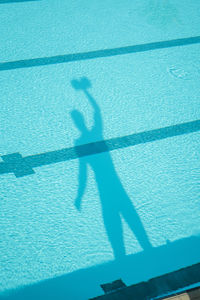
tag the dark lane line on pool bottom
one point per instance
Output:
(35, 62)
(22, 166)
(16, 1)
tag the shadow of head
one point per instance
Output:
(78, 119)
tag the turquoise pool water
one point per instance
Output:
(100, 144)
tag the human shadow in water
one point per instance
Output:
(114, 199)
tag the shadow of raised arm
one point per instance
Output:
(84, 84)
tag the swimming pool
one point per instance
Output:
(100, 144)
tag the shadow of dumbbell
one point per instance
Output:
(81, 84)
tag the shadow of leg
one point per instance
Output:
(134, 222)
(114, 231)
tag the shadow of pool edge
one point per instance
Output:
(85, 283)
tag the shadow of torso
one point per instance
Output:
(115, 201)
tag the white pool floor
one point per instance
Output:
(99, 148)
